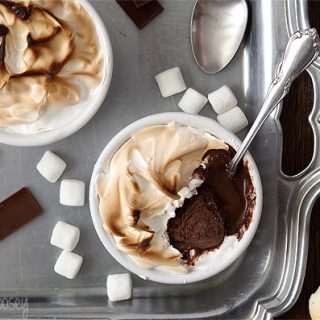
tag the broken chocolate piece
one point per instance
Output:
(140, 3)
(16, 211)
(144, 14)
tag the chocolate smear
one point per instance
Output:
(19, 10)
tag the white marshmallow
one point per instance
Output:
(192, 101)
(222, 100)
(119, 287)
(72, 192)
(68, 264)
(170, 82)
(314, 305)
(51, 166)
(65, 236)
(234, 120)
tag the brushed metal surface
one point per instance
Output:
(267, 279)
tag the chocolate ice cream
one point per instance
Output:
(199, 224)
(223, 206)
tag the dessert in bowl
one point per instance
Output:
(56, 67)
(161, 201)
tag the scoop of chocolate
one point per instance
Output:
(223, 206)
(199, 224)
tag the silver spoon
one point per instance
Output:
(302, 49)
(217, 29)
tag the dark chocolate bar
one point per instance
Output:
(140, 3)
(16, 211)
(144, 14)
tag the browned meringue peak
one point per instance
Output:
(143, 176)
(48, 57)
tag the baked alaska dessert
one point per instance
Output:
(167, 200)
(50, 60)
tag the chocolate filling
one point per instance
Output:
(223, 206)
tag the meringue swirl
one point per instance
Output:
(143, 177)
(50, 56)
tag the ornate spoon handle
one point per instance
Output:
(302, 49)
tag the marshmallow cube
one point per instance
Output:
(222, 100)
(51, 166)
(72, 192)
(314, 305)
(119, 287)
(68, 264)
(65, 236)
(233, 120)
(170, 82)
(192, 101)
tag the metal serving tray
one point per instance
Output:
(266, 280)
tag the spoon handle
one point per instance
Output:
(302, 49)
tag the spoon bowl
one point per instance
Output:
(217, 29)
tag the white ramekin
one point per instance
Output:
(205, 267)
(44, 138)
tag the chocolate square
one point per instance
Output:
(16, 211)
(144, 14)
(140, 3)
